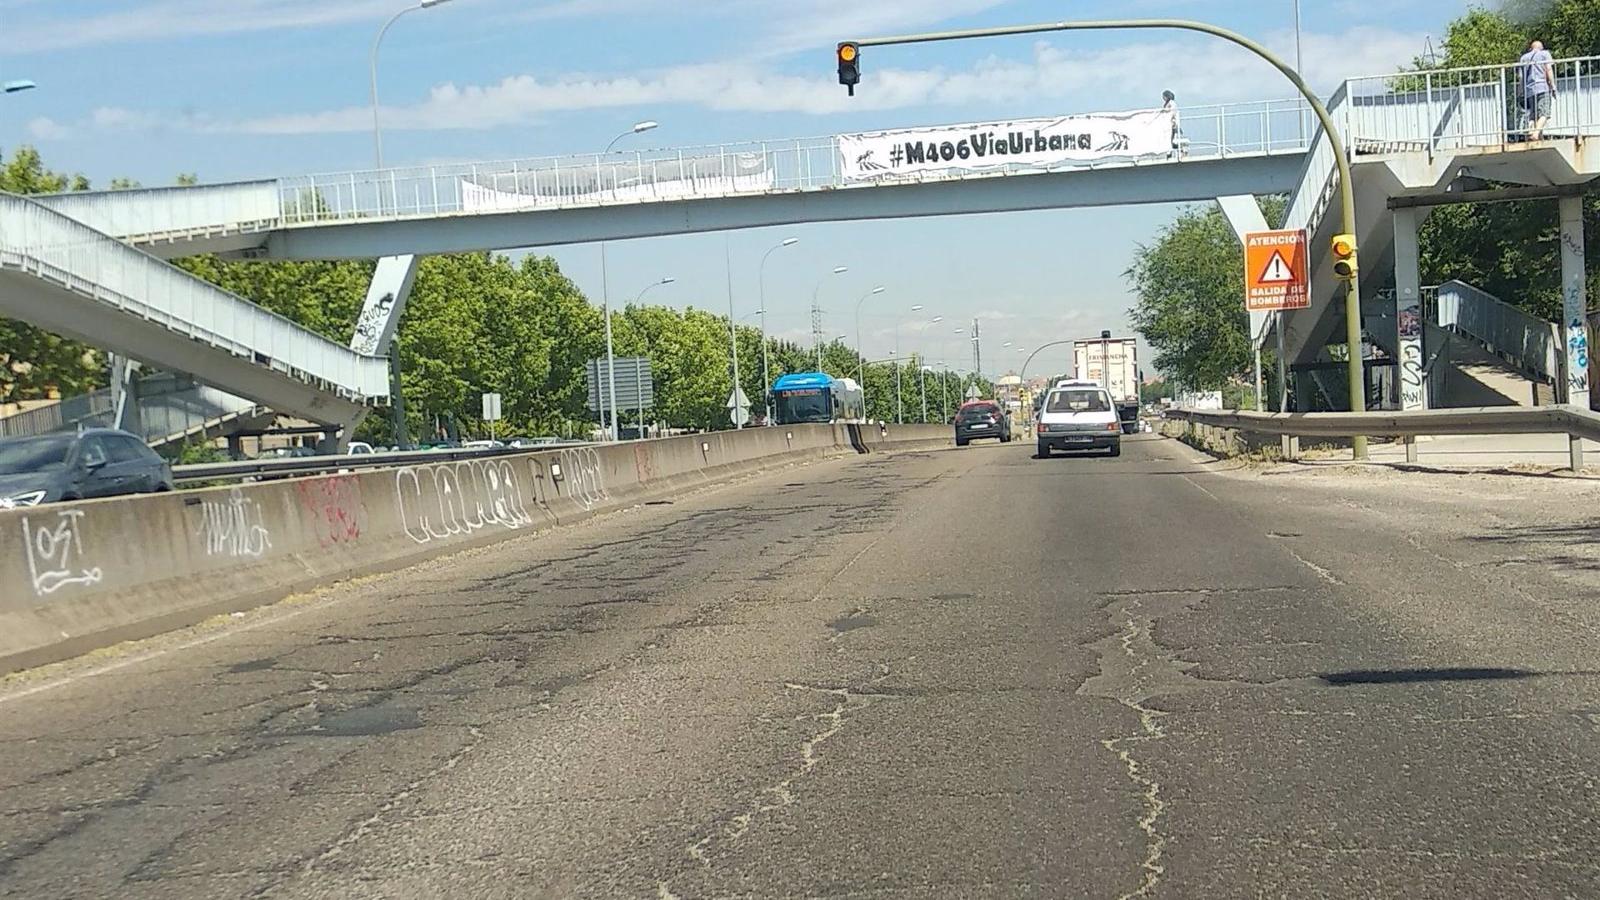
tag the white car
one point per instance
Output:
(482, 445)
(1079, 415)
(359, 448)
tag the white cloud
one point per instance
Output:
(1212, 70)
(47, 129)
(1071, 80)
(167, 19)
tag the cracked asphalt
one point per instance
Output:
(959, 673)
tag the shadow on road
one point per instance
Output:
(1539, 540)
(1416, 676)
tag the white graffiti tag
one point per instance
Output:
(234, 527)
(583, 476)
(449, 499)
(55, 552)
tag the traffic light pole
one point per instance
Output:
(1347, 200)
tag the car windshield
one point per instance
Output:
(802, 405)
(1076, 401)
(34, 454)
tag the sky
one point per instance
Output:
(235, 89)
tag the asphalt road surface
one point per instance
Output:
(960, 673)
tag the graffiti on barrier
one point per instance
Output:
(441, 501)
(583, 477)
(234, 527)
(55, 551)
(334, 504)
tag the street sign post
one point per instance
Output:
(1276, 271)
(635, 385)
(738, 407)
(491, 411)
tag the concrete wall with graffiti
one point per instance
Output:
(79, 575)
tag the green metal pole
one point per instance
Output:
(1347, 199)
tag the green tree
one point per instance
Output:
(1190, 291)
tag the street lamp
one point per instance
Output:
(816, 313)
(647, 288)
(766, 373)
(18, 86)
(899, 413)
(861, 371)
(605, 297)
(638, 127)
(1354, 371)
(377, 133)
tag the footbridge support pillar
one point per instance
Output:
(1574, 295)
(375, 328)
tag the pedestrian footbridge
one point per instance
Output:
(1245, 147)
(89, 264)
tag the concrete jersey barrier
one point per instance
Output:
(77, 576)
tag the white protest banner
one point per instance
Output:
(625, 181)
(1033, 143)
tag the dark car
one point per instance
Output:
(982, 419)
(96, 462)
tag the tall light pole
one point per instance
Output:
(1300, 120)
(651, 286)
(899, 410)
(922, 371)
(944, 358)
(377, 132)
(638, 392)
(861, 356)
(766, 373)
(605, 300)
(816, 313)
(1354, 370)
(737, 411)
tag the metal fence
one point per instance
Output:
(1527, 342)
(149, 213)
(50, 246)
(92, 409)
(722, 170)
(1475, 106)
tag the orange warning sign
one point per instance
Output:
(1275, 271)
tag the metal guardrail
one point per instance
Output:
(1570, 420)
(48, 245)
(721, 170)
(326, 465)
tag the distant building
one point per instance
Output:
(1008, 389)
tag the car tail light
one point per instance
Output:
(1113, 426)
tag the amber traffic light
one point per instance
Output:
(849, 65)
(1344, 257)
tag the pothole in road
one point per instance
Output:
(366, 721)
(253, 665)
(852, 622)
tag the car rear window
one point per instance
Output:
(34, 454)
(1076, 401)
(978, 411)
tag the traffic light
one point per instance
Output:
(849, 65)
(1344, 257)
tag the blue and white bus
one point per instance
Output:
(815, 397)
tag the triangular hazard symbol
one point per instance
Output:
(1277, 270)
